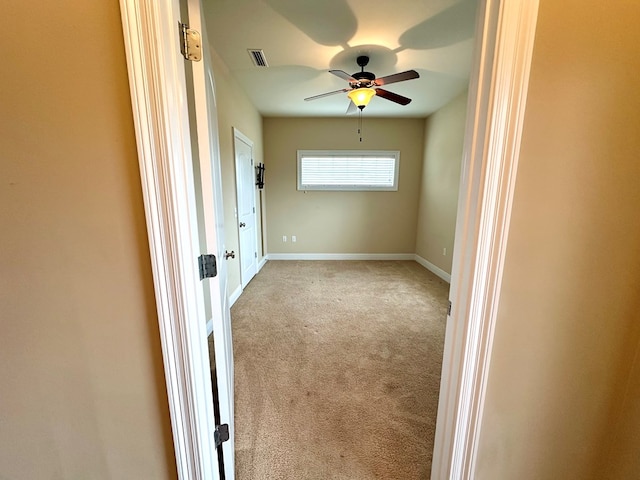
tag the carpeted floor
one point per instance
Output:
(337, 368)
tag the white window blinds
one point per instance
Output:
(348, 170)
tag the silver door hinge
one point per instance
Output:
(207, 266)
(449, 309)
(190, 43)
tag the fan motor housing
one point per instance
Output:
(364, 76)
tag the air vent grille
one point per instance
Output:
(258, 58)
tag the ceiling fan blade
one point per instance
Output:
(397, 77)
(343, 75)
(394, 97)
(352, 110)
(326, 94)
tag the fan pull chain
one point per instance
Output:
(360, 124)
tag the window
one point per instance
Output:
(348, 170)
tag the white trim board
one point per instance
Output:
(505, 33)
(262, 263)
(232, 299)
(340, 256)
(247, 244)
(235, 295)
(432, 268)
(158, 97)
(209, 327)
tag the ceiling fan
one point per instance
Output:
(364, 85)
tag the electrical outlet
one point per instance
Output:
(284, 238)
(293, 238)
(444, 251)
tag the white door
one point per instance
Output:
(208, 189)
(179, 166)
(246, 201)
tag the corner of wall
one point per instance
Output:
(443, 148)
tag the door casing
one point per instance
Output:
(245, 196)
(204, 115)
(497, 99)
(163, 137)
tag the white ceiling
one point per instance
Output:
(303, 39)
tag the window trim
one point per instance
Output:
(348, 153)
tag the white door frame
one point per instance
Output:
(497, 97)
(158, 91)
(205, 109)
(239, 136)
(505, 33)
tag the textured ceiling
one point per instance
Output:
(303, 39)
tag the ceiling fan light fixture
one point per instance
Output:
(361, 96)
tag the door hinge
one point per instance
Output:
(449, 309)
(254, 209)
(190, 43)
(221, 434)
(208, 267)
(255, 254)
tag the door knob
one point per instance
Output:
(231, 254)
(242, 224)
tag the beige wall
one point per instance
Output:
(444, 141)
(621, 459)
(235, 110)
(341, 222)
(82, 384)
(569, 317)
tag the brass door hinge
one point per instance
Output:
(190, 43)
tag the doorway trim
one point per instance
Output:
(161, 120)
(497, 98)
(505, 32)
(238, 136)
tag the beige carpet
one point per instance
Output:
(337, 369)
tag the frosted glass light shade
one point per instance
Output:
(361, 96)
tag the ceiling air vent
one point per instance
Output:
(259, 60)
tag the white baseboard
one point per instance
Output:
(262, 263)
(209, 327)
(232, 299)
(341, 256)
(433, 269)
(235, 295)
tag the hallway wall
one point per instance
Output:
(81, 373)
(561, 393)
